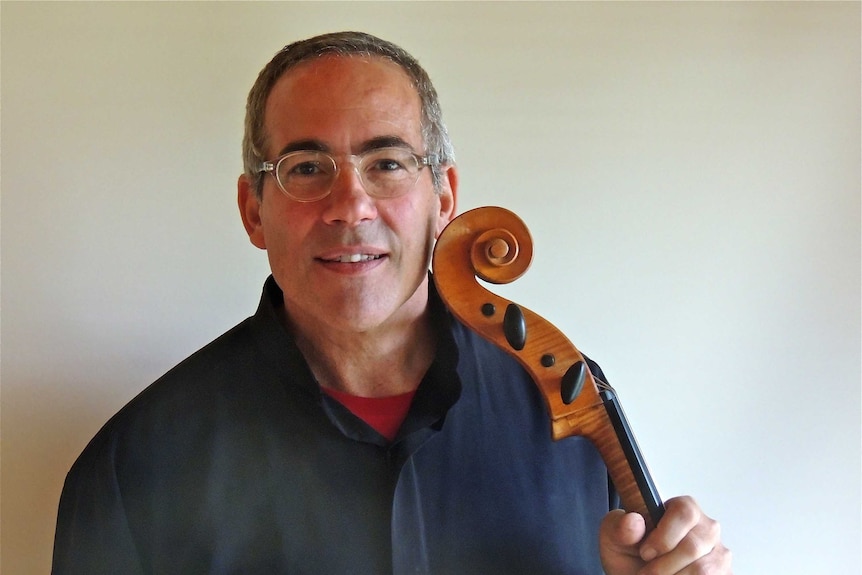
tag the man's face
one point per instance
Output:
(344, 105)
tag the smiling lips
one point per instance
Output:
(354, 258)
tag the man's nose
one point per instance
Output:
(348, 201)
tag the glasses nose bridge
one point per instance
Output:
(355, 161)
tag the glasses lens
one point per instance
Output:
(389, 172)
(306, 176)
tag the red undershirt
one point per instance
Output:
(384, 414)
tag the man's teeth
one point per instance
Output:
(354, 258)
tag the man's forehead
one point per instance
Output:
(329, 92)
(321, 72)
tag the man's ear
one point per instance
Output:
(249, 210)
(448, 198)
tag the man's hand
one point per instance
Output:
(685, 542)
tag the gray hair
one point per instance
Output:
(434, 134)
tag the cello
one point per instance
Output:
(493, 244)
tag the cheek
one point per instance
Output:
(414, 221)
(282, 232)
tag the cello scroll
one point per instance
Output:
(495, 245)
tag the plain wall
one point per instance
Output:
(690, 173)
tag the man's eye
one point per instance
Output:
(305, 169)
(387, 165)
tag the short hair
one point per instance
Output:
(434, 134)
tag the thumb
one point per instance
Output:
(619, 536)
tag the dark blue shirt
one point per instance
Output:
(236, 462)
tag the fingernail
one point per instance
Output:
(648, 553)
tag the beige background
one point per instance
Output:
(691, 173)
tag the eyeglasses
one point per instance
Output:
(308, 175)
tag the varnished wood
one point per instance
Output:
(495, 245)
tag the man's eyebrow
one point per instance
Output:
(302, 145)
(372, 144)
(385, 142)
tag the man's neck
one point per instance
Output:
(390, 359)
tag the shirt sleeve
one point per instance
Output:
(93, 535)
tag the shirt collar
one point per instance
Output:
(438, 391)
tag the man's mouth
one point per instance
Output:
(355, 258)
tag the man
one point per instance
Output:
(352, 425)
